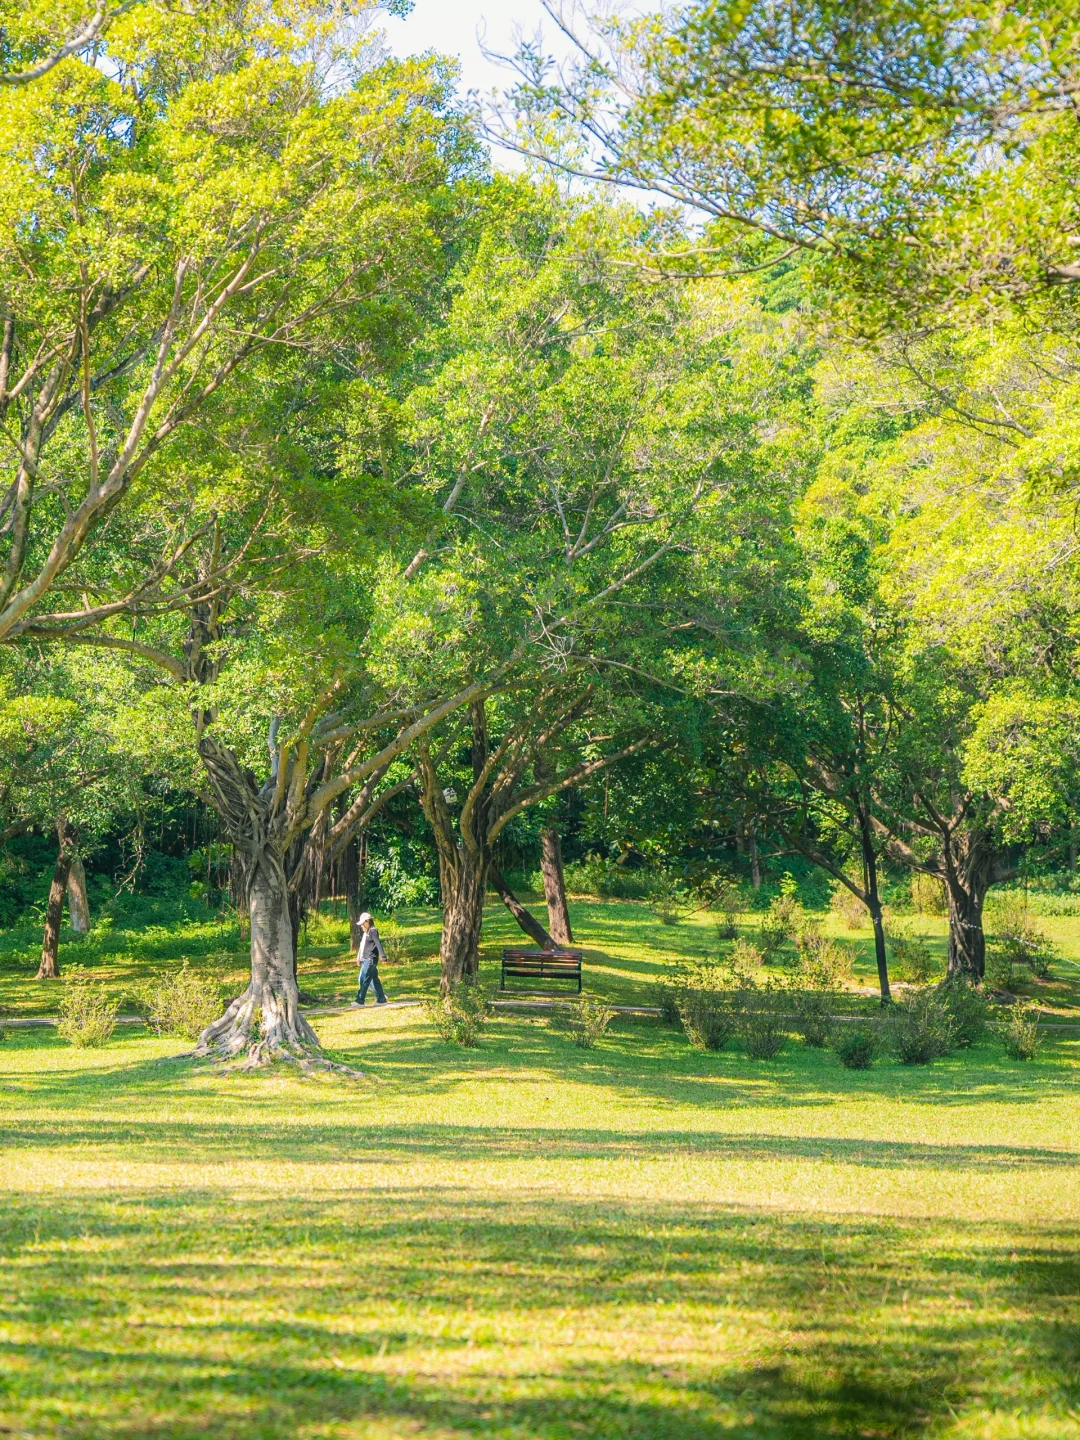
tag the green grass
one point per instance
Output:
(533, 1242)
(625, 950)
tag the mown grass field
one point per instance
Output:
(531, 1240)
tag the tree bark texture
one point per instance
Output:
(524, 918)
(551, 867)
(77, 899)
(872, 899)
(271, 1002)
(270, 1006)
(969, 868)
(49, 969)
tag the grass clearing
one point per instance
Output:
(531, 1240)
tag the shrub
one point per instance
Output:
(813, 1016)
(1019, 939)
(746, 958)
(912, 957)
(461, 1014)
(849, 907)
(922, 1028)
(182, 1003)
(589, 1019)
(999, 972)
(762, 1029)
(857, 1046)
(928, 895)
(87, 1013)
(968, 1009)
(723, 896)
(824, 963)
(667, 998)
(708, 1017)
(393, 940)
(1021, 1035)
(600, 876)
(670, 900)
(780, 923)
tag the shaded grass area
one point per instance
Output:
(528, 1240)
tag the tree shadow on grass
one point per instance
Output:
(176, 1314)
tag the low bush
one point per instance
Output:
(849, 907)
(928, 895)
(1018, 939)
(813, 1016)
(1021, 1034)
(182, 1003)
(708, 1017)
(969, 1010)
(670, 899)
(393, 940)
(87, 1012)
(606, 878)
(724, 898)
(857, 1045)
(461, 1014)
(745, 958)
(922, 1027)
(912, 958)
(667, 998)
(762, 1029)
(780, 923)
(589, 1020)
(824, 963)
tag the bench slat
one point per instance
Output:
(541, 965)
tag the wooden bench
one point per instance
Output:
(541, 965)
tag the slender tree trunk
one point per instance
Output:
(77, 898)
(880, 953)
(49, 969)
(755, 863)
(873, 901)
(551, 867)
(271, 1000)
(524, 918)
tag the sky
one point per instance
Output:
(451, 26)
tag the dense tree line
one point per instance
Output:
(352, 483)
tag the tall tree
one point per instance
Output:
(203, 204)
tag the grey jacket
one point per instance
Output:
(370, 950)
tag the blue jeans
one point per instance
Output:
(369, 975)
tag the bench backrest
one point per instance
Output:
(553, 958)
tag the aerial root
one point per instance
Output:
(263, 1053)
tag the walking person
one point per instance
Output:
(368, 954)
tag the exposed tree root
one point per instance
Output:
(253, 1036)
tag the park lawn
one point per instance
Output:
(626, 950)
(536, 1242)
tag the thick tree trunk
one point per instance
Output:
(527, 921)
(49, 969)
(77, 899)
(271, 1000)
(551, 867)
(463, 887)
(969, 869)
(967, 942)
